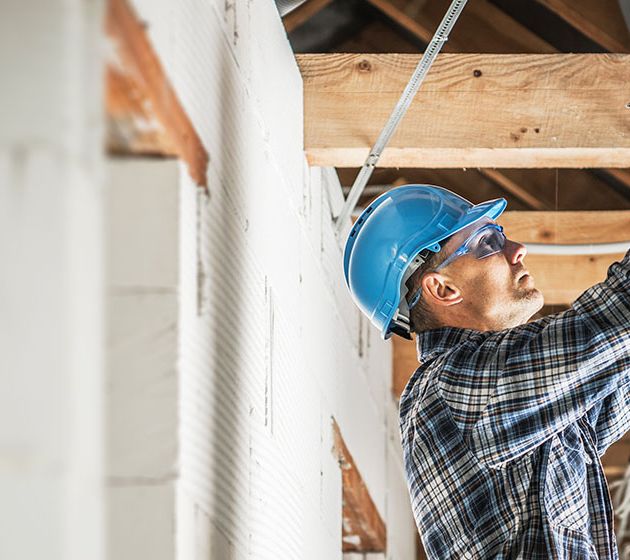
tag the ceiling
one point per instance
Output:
(497, 26)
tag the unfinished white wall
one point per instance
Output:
(269, 345)
(51, 281)
(143, 215)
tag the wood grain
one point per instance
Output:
(473, 110)
(481, 28)
(607, 226)
(303, 13)
(137, 72)
(363, 529)
(600, 20)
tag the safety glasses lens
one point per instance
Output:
(487, 242)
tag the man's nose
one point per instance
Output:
(515, 251)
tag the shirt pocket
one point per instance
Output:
(566, 490)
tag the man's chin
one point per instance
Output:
(534, 301)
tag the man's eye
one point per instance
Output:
(484, 240)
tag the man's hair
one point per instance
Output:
(421, 317)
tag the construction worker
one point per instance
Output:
(504, 422)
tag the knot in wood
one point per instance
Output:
(365, 66)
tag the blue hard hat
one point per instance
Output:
(387, 237)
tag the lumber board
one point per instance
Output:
(132, 127)
(513, 188)
(562, 279)
(303, 13)
(600, 20)
(601, 226)
(481, 28)
(363, 529)
(136, 72)
(474, 110)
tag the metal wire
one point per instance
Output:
(435, 46)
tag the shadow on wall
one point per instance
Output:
(220, 311)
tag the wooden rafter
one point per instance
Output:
(363, 529)
(303, 13)
(482, 27)
(562, 110)
(145, 113)
(605, 226)
(513, 188)
(600, 20)
(403, 20)
(620, 175)
(478, 17)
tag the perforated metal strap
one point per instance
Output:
(435, 46)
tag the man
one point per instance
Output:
(504, 422)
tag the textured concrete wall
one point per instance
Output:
(51, 291)
(269, 346)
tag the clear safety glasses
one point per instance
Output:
(486, 241)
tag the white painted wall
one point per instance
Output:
(269, 345)
(230, 338)
(51, 286)
(143, 215)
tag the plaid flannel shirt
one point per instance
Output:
(502, 431)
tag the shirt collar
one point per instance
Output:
(438, 341)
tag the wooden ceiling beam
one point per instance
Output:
(620, 175)
(578, 227)
(514, 37)
(513, 188)
(145, 114)
(303, 13)
(559, 110)
(400, 18)
(482, 27)
(600, 20)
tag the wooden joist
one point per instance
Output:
(561, 279)
(363, 529)
(145, 115)
(303, 13)
(557, 110)
(513, 188)
(605, 226)
(600, 20)
(482, 27)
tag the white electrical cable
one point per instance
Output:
(559, 249)
(435, 46)
(577, 249)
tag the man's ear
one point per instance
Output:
(440, 290)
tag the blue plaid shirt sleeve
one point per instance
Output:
(611, 418)
(541, 377)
